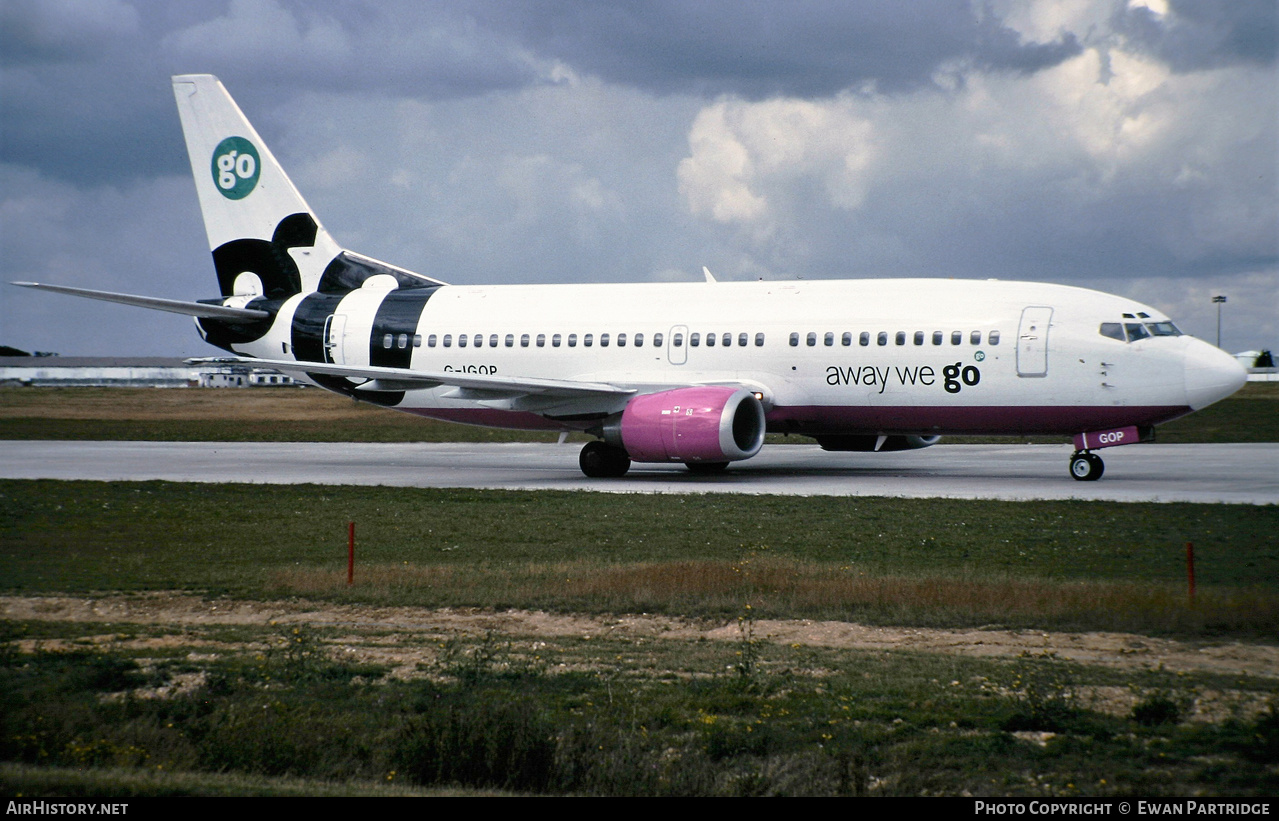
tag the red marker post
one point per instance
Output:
(1190, 570)
(350, 553)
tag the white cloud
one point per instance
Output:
(1109, 158)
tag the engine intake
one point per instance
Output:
(699, 424)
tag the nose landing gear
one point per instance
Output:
(1086, 466)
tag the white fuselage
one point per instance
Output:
(915, 356)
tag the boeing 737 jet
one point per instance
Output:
(695, 372)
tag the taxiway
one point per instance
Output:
(1233, 473)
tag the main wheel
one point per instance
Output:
(1086, 467)
(599, 460)
(706, 468)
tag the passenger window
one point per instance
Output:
(555, 341)
(900, 338)
(430, 341)
(417, 340)
(448, 340)
(603, 340)
(710, 340)
(1136, 331)
(510, 340)
(657, 340)
(678, 340)
(812, 338)
(403, 341)
(741, 340)
(587, 340)
(759, 340)
(493, 341)
(919, 337)
(639, 340)
(937, 337)
(621, 340)
(829, 339)
(846, 339)
(694, 339)
(461, 340)
(864, 339)
(956, 337)
(572, 340)
(794, 340)
(992, 338)
(975, 338)
(881, 338)
(386, 341)
(479, 340)
(524, 341)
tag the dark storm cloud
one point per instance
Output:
(1204, 34)
(84, 87)
(759, 49)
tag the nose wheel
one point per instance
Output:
(1086, 466)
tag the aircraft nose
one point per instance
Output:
(1211, 374)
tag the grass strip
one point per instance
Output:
(1067, 564)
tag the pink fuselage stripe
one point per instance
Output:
(832, 419)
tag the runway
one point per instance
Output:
(1236, 473)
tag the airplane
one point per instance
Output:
(693, 372)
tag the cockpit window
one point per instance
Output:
(1136, 331)
(1163, 329)
(1132, 331)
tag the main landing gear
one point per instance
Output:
(1086, 466)
(600, 460)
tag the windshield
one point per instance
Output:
(1132, 331)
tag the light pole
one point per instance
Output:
(1218, 301)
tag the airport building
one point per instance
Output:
(135, 372)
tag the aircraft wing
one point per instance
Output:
(469, 385)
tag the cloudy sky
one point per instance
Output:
(1125, 145)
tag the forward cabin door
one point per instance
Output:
(677, 345)
(1032, 341)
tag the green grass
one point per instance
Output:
(617, 716)
(904, 561)
(621, 715)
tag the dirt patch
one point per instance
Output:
(406, 631)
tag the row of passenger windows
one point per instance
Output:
(899, 338)
(695, 339)
(589, 340)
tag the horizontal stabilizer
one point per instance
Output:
(173, 306)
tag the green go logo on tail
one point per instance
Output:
(235, 167)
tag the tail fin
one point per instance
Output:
(265, 239)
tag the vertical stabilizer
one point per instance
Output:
(265, 239)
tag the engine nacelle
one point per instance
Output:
(871, 442)
(699, 424)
